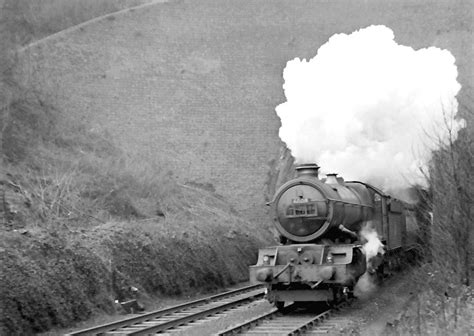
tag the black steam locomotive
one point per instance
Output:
(322, 252)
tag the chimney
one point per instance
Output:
(307, 170)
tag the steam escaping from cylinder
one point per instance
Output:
(373, 250)
(365, 286)
(369, 108)
(373, 246)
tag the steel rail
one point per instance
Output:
(101, 329)
(256, 321)
(162, 326)
(298, 328)
(305, 326)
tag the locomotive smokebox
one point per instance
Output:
(306, 208)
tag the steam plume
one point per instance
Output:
(373, 250)
(369, 108)
(373, 245)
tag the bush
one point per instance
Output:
(44, 282)
(440, 307)
(444, 304)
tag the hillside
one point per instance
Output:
(155, 139)
(196, 83)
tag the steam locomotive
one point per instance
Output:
(322, 252)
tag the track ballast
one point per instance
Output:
(292, 320)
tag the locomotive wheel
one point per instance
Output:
(279, 304)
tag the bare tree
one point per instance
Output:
(451, 183)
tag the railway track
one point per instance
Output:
(172, 317)
(292, 320)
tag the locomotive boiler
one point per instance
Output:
(321, 255)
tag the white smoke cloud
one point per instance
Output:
(368, 108)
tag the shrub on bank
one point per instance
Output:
(45, 282)
(444, 303)
(440, 307)
(55, 278)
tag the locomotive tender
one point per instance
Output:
(320, 222)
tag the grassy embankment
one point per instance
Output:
(81, 222)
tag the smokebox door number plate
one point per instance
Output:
(302, 207)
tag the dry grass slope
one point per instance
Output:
(81, 222)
